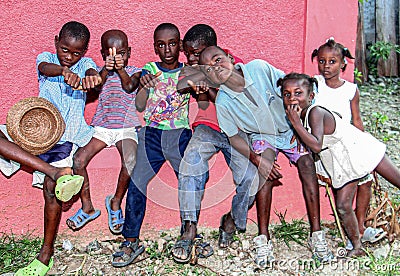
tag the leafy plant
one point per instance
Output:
(17, 252)
(358, 75)
(378, 120)
(382, 50)
(296, 230)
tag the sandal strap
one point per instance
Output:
(116, 217)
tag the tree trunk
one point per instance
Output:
(386, 31)
(361, 57)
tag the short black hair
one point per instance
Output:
(203, 33)
(76, 30)
(167, 26)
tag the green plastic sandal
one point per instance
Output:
(35, 268)
(68, 186)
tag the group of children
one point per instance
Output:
(250, 112)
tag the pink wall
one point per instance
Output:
(327, 19)
(282, 32)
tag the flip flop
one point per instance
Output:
(204, 250)
(67, 186)
(80, 219)
(114, 217)
(35, 268)
(372, 235)
(127, 258)
(187, 246)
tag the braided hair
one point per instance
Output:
(308, 81)
(332, 44)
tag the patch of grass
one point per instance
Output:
(383, 266)
(17, 251)
(296, 230)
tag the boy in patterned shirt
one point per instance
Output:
(164, 137)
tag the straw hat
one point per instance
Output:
(35, 124)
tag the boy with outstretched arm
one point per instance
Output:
(164, 137)
(64, 78)
(248, 99)
(115, 123)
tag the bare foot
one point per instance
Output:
(356, 253)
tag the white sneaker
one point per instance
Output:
(319, 247)
(264, 251)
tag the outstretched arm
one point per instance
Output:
(54, 70)
(147, 82)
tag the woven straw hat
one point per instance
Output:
(35, 124)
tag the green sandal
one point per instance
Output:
(68, 186)
(35, 268)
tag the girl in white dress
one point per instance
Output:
(346, 152)
(341, 96)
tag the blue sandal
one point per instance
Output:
(80, 219)
(114, 217)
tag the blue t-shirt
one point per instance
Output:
(70, 103)
(264, 118)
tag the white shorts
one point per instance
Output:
(38, 177)
(7, 167)
(112, 136)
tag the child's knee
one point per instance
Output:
(129, 163)
(306, 161)
(79, 162)
(344, 208)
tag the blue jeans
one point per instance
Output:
(155, 146)
(193, 175)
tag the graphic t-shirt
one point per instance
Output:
(166, 108)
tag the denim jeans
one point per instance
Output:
(193, 175)
(155, 146)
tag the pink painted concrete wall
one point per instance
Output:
(282, 32)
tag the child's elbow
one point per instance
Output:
(140, 108)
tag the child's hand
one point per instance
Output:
(275, 174)
(90, 82)
(293, 113)
(200, 87)
(110, 61)
(149, 80)
(71, 78)
(119, 62)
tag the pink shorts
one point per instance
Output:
(292, 154)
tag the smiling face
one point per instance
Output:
(69, 50)
(218, 66)
(167, 45)
(330, 62)
(297, 92)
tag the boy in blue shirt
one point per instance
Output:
(249, 100)
(64, 77)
